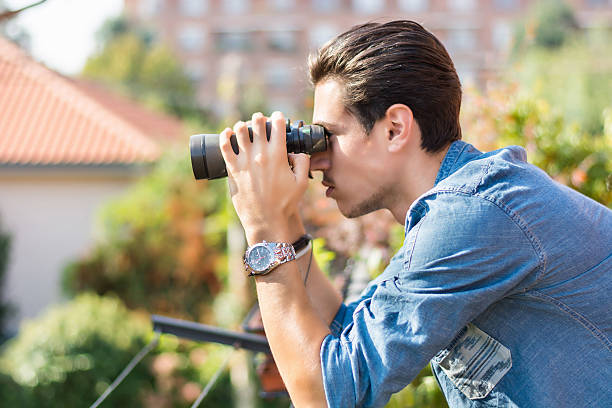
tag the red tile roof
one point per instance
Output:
(48, 119)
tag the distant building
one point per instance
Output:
(266, 42)
(66, 147)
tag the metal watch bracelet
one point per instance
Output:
(282, 252)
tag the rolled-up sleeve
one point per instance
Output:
(455, 263)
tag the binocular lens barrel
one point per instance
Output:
(207, 161)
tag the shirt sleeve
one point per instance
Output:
(463, 255)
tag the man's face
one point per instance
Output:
(353, 165)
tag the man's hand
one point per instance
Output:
(265, 187)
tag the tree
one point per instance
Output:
(549, 25)
(569, 68)
(131, 61)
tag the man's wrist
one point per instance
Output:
(278, 234)
(286, 231)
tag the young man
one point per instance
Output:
(504, 278)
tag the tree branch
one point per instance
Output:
(6, 15)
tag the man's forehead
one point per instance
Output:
(329, 109)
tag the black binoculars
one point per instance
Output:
(207, 161)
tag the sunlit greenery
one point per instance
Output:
(163, 244)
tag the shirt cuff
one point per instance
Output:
(338, 381)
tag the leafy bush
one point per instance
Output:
(509, 114)
(67, 357)
(423, 392)
(70, 355)
(163, 245)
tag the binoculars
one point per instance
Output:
(207, 161)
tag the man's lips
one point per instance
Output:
(330, 188)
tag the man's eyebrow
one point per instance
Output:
(329, 126)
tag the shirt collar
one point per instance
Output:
(448, 165)
(453, 159)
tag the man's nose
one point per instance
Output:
(320, 161)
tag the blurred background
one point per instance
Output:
(103, 224)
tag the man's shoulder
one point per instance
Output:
(493, 181)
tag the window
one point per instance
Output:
(281, 5)
(325, 6)
(413, 5)
(278, 75)
(196, 71)
(506, 4)
(236, 6)
(466, 73)
(501, 35)
(191, 38)
(282, 104)
(282, 40)
(193, 8)
(150, 8)
(234, 41)
(597, 3)
(461, 39)
(462, 5)
(368, 6)
(320, 34)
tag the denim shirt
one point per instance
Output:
(503, 283)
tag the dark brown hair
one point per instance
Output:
(381, 64)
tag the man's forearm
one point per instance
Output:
(295, 330)
(324, 297)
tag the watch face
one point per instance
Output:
(260, 258)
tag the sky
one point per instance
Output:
(63, 32)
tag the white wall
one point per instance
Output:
(51, 222)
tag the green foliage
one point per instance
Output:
(70, 355)
(67, 357)
(576, 79)
(569, 68)
(322, 256)
(551, 24)
(6, 309)
(423, 392)
(163, 246)
(148, 71)
(564, 150)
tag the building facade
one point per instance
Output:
(227, 44)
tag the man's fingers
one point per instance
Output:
(229, 156)
(258, 124)
(242, 136)
(278, 136)
(301, 167)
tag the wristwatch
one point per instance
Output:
(263, 257)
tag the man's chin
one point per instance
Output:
(352, 211)
(372, 204)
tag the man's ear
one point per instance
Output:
(400, 126)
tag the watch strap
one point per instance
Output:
(283, 252)
(302, 242)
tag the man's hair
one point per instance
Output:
(395, 62)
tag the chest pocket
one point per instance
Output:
(474, 361)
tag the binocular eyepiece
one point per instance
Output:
(207, 161)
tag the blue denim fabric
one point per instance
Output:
(503, 283)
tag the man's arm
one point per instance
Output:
(266, 192)
(323, 296)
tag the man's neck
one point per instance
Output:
(418, 177)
